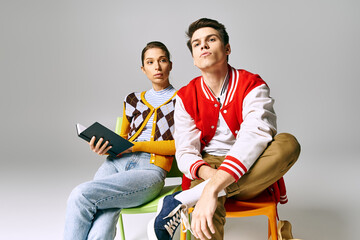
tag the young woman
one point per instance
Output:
(137, 175)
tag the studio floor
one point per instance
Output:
(322, 205)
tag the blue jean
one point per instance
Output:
(93, 207)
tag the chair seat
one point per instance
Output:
(262, 202)
(152, 205)
(261, 205)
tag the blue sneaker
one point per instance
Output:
(170, 212)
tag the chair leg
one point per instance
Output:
(272, 227)
(121, 227)
(182, 233)
(188, 235)
(185, 235)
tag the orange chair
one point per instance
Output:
(261, 205)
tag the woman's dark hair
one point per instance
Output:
(154, 44)
(206, 22)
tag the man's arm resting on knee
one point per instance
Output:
(206, 206)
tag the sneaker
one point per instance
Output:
(170, 212)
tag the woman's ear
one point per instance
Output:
(143, 69)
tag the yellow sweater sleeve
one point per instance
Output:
(158, 147)
(125, 126)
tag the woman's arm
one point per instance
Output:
(125, 125)
(158, 147)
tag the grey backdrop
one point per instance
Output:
(63, 62)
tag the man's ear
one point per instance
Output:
(228, 49)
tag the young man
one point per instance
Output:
(225, 128)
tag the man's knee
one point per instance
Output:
(290, 147)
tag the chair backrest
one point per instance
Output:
(174, 171)
(118, 125)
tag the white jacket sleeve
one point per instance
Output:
(256, 131)
(187, 141)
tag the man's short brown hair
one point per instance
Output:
(206, 22)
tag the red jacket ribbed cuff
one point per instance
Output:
(234, 167)
(283, 199)
(195, 167)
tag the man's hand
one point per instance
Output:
(205, 208)
(203, 214)
(99, 148)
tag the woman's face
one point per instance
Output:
(157, 68)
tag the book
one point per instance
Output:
(118, 143)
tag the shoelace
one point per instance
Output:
(177, 214)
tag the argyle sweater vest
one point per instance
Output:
(138, 112)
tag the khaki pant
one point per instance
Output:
(273, 163)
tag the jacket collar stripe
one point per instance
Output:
(206, 90)
(235, 79)
(231, 84)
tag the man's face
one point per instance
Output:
(207, 48)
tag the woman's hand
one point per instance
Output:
(129, 150)
(99, 148)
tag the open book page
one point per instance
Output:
(79, 128)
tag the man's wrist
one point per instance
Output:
(205, 172)
(219, 182)
(212, 189)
